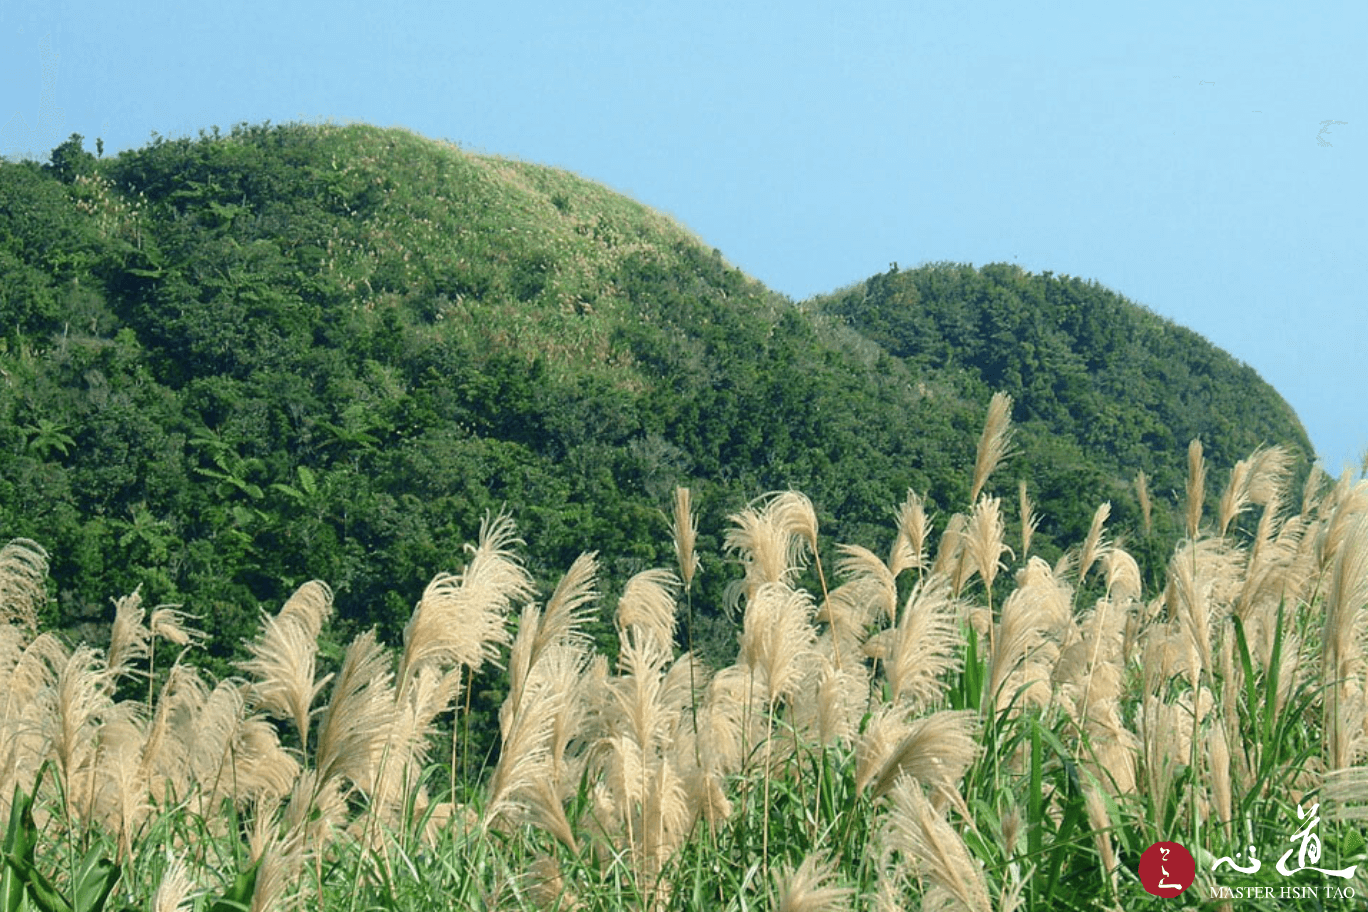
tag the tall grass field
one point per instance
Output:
(950, 722)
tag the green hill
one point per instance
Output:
(233, 363)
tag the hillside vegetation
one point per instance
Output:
(234, 363)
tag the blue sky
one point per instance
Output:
(1205, 160)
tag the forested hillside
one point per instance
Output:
(234, 363)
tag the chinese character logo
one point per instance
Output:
(1167, 869)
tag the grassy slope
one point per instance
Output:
(326, 351)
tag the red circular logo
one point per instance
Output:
(1167, 869)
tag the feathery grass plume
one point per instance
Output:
(914, 528)
(173, 892)
(525, 731)
(1218, 760)
(1345, 504)
(860, 565)
(1030, 520)
(915, 829)
(1094, 548)
(82, 701)
(848, 612)
(885, 730)
(1143, 495)
(258, 767)
(129, 640)
(951, 560)
(569, 607)
(1196, 487)
(1099, 821)
(164, 766)
(1235, 497)
(840, 701)
(281, 666)
(311, 605)
(925, 648)
(120, 799)
(729, 706)
(936, 751)
(648, 605)
(809, 887)
(172, 625)
(1313, 490)
(354, 723)
(276, 887)
(983, 542)
(1039, 606)
(23, 582)
(995, 443)
(1344, 794)
(1122, 575)
(396, 771)
(1261, 479)
(461, 620)
(777, 635)
(684, 531)
(209, 752)
(771, 536)
(1342, 640)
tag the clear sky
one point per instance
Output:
(1205, 160)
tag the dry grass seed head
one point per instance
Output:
(777, 637)
(1196, 487)
(281, 666)
(684, 532)
(570, 605)
(1094, 548)
(1029, 518)
(173, 892)
(129, 640)
(648, 604)
(875, 580)
(1146, 508)
(461, 620)
(983, 540)
(995, 442)
(914, 529)
(352, 730)
(925, 647)
(810, 887)
(936, 750)
(310, 605)
(23, 582)
(925, 838)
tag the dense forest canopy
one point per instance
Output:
(236, 362)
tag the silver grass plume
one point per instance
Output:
(129, 639)
(1196, 487)
(914, 529)
(461, 620)
(684, 532)
(925, 646)
(810, 887)
(995, 442)
(922, 835)
(1029, 518)
(1143, 495)
(1094, 547)
(936, 750)
(23, 582)
(983, 542)
(1342, 652)
(352, 730)
(648, 604)
(281, 665)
